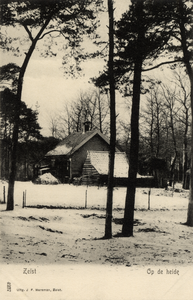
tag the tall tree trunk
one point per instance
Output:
(185, 158)
(158, 126)
(151, 126)
(190, 204)
(127, 229)
(186, 57)
(10, 196)
(100, 112)
(109, 207)
(172, 167)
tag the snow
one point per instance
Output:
(46, 178)
(66, 195)
(66, 233)
(59, 150)
(100, 161)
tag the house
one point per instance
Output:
(84, 155)
(66, 160)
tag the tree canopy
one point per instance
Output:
(28, 125)
(38, 19)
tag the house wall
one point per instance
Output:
(78, 158)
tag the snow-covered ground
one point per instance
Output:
(66, 195)
(62, 232)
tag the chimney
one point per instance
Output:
(86, 126)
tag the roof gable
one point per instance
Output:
(75, 141)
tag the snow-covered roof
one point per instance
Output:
(75, 141)
(59, 150)
(100, 161)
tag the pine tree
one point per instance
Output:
(142, 35)
(109, 207)
(39, 19)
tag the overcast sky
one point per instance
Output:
(45, 84)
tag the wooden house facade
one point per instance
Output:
(66, 160)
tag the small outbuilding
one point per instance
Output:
(66, 160)
(95, 169)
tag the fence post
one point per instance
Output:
(86, 198)
(23, 200)
(3, 194)
(25, 197)
(149, 193)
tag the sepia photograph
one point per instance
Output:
(96, 149)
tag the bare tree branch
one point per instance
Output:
(54, 30)
(29, 32)
(163, 63)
